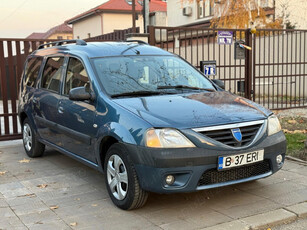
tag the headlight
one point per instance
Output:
(273, 125)
(166, 138)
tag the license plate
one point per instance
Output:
(240, 159)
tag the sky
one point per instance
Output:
(19, 18)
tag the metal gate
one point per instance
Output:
(273, 72)
(13, 53)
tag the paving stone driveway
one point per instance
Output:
(76, 198)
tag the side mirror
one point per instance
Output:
(79, 94)
(219, 83)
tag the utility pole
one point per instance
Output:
(133, 16)
(146, 15)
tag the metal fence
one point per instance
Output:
(273, 73)
(13, 53)
(117, 35)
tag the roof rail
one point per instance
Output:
(138, 41)
(63, 42)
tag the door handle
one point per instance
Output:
(61, 109)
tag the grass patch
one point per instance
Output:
(296, 145)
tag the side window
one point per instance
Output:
(51, 79)
(76, 75)
(32, 70)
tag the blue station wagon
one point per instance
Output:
(146, 118)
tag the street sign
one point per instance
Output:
(208, 67)
(224, 37)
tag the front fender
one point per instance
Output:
(116, 130)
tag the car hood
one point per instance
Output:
(194, 110)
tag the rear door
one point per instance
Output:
(46, 99)
(76, 118)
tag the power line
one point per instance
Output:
(13, 12)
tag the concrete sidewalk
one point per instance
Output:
(56, 192)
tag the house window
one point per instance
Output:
(205, 8)
(60, 37)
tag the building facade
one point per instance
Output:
(116, 15)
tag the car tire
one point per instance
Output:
(31, 145)
(121, 179)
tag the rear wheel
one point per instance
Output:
(32, 146)
(121, 179)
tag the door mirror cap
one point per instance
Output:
(79, 94)
(219, 83)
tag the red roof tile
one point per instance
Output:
(36, 36)
(63, 28)
(121, 5)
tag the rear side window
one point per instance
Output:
(76, 75)
(32, 70)
(51, 79)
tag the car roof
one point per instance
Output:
(102, 49)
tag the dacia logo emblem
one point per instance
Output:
(236, 133)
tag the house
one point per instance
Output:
(59, 32)
(201, 12)
(116, 15)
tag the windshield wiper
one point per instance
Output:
(139, 93)
(183, 87)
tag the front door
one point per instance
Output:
(77, 117)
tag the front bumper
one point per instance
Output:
(189, 165)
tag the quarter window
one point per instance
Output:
(32, 70)
(76, 75)
(52, 74)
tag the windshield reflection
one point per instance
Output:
(125, 74)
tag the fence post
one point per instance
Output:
(248, 65)
(152, 36)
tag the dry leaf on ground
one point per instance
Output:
(2, 173)
(24, 160)
(73, 224)
(295, 131)
(94, 205)
(54, 207)
(42, 185)
(28, 194)
(292, 121)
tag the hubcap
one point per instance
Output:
(117, 177)
(27, 137)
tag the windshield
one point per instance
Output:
(131, 74)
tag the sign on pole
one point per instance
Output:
(208, 67)
(224, 37)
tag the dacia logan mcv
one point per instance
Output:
(146, 118)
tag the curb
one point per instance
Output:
(296, 160)
(265, 220)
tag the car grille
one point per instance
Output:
(213, 176)
(225, 135)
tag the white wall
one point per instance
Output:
(90, 25)
(175, 16)
(112, 21)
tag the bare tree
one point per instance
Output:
(239, 14)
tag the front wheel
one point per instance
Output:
(121, 179)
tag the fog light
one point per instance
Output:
(279, 159)
(169, 179)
